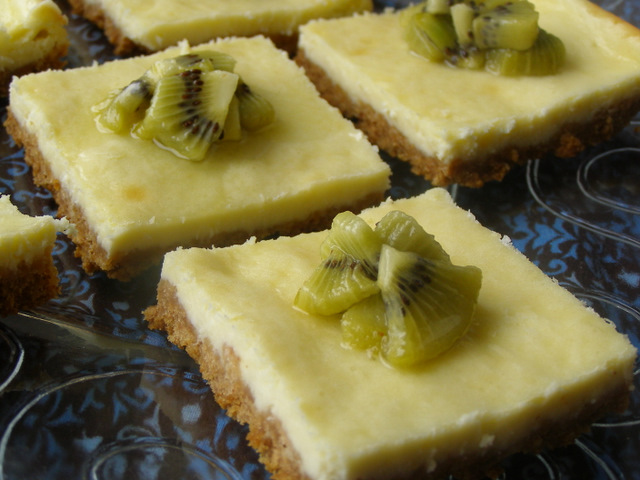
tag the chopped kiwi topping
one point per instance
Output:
(500, 36)
(396, 291)
(185, 104)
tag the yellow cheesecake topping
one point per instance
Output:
(500, 36)
(185, 104)
(394, 286)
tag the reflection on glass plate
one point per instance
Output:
(87, 391)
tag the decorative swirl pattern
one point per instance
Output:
(11, 357)
(87, 391)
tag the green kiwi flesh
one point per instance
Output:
(188, 111)
(347, 272)
(429, 305)
(395, 287)
(481, 35)
(187, 126)
(544, 58)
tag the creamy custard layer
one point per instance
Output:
(135, 195)
(454, 114)
(23, 237)
(162, 23)
(534, 354)
(29, 30)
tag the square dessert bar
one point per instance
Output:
(535, 369)
(132, 201)
(28, 276)
(146, 27)
(470, 126)
(32, 38)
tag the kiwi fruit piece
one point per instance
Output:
(510, 25)
(205, 61)
(337, 283)
(403, 232)
(188, 111)
(395, 286)
(432, 36)
(480, 35)
(232, 130)
(348, 268)
(364, 325)
(354, 237)
(545, 57)
(255, 111)
(429, 305)
(437, 6)
(124, 108)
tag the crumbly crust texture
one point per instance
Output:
(125, 267)
(126, 46)
(29, 285)
(267, 437)
(53, 60)
(570, 139)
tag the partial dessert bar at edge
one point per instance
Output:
(28, 275)
(139, 26)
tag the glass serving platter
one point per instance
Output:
(88, 392)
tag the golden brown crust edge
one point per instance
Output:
(28, 285)
(266, 435)
(125, 267)
(221, 370)
(570, 139)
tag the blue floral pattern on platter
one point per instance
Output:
(88, 392)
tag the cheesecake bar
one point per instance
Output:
(535, 369)
(139, 26)
(32, 38)
(132, 201)
(28, 276)
(468, 126)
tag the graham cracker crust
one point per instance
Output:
(29, 285)
(220, 368)
(125, 266)
(125, 46)
(53, 60)
(570, 139)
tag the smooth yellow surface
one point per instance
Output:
(29, 30)
(534, 352)
(458, 114)
(23, 237)
(136, 195)
(159, 24)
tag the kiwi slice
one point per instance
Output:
(396, 288)
(430, 35)
(124, 108)
(188, 111)
(180, 106)
(347, 273)
(337, 283)
(510, 25)
(255, 111)
(364, 324)
(404, 233)
(477, 35)
(545, 57)
(205, 61)
(429, 304)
